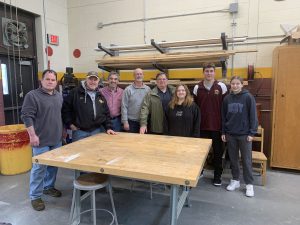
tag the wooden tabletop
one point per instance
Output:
(157, 158)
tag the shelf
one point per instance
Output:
(165, 59)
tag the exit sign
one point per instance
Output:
(53, 39)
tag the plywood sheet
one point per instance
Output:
(172, 60)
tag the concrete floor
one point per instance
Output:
(277, 203)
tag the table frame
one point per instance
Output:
(60, 158)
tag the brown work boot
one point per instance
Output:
(52, 192)
(38, 204)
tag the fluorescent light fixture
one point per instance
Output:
(4, 79)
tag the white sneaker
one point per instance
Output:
(233, 185)
(249, 190)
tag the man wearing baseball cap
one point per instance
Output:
(85, 110)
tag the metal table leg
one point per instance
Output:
(177, 202)
(77, 200)
(173, 204)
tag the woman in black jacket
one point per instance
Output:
(182, 115)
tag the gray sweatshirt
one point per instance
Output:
(132, 100)
(43, 111)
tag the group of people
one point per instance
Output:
(164, 110)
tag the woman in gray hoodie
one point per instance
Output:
(239, 125)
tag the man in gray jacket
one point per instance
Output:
(41, 114)
(155, 104)
(132, 99)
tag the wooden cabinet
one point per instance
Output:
(285, 152)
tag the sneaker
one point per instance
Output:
(233, 185)
(217, 181)
(249, 190)
(38, 204)
(52, 192)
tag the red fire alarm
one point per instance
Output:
(53, 39)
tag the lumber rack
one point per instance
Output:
(167, 58)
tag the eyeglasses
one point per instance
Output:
(162, 79)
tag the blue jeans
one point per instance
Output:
(116, 124)
(134, 126)
(42, 177)
(80, 134)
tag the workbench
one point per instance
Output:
(155, 158)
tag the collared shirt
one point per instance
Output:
(113, 99)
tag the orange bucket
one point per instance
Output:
(15, 151)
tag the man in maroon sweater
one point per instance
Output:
(209, 95)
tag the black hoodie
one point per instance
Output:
(239, 115)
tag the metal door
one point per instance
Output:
(21, 78)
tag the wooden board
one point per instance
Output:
(168, 60)
(157, 158)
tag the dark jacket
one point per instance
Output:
(239, 115)
(210, 104)
(78, 110)
(183, 121)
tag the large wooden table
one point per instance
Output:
(155, 158)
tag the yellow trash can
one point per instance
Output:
(15, 151)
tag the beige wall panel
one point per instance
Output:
(272, 14)
(83, 3)
(57, 24)
(278, 6)
(85, 63)
(34, 6)
(157, 8)
(283, 15)
(188, 28)
(57, 12)
(264, 55)
(255, 18)
(40, 40)
(107, 36)
(84, 34)
(119, 35)
(109, 11)
(60, 58)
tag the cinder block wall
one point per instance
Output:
(258, 19)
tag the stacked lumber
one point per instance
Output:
(168, 60)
